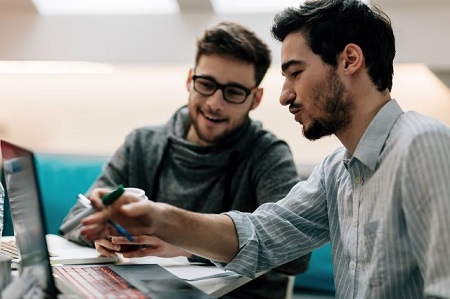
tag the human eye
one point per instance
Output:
(206, 84)
(235, 91)
(296, 73)
(235, 94)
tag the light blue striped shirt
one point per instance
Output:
(386, 211)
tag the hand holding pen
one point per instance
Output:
(120, 229)
(106, 200)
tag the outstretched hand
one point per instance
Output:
(136, 215)
(144, 245)
(212, 236)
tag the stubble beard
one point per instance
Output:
(336, 108)
(217, 138)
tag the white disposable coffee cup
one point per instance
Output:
(139, 193)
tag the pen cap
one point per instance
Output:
(113, 196)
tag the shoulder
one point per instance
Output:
(417, 130)
(146, 133)
(413, 124)
(264, 138)
(420, 145)
(145, 139)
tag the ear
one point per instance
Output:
(352, 59)
(257, 99)
(189, 79)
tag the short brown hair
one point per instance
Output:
(232, 40)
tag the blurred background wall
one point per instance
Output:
(78, 82)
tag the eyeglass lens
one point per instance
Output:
(207, 87)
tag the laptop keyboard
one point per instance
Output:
(98, 282)
(9, 248)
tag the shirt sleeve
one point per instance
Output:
(426, 205)
(277, 233)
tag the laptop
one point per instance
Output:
(75, 281)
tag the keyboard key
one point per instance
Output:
(99, 282)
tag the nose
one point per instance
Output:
(287, 95)
(216, 100)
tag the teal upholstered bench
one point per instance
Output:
(61, 178)
(318, 278)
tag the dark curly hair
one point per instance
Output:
(330, 25)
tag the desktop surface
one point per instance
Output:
(211, 280)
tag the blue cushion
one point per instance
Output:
(61, 178)
(319, 276)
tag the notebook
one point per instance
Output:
(78, 281)
(61, 251)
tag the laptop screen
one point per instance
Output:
(27, 216)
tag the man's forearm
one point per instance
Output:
(212, 236)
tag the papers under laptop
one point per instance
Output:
(61, 251)
(77, 281)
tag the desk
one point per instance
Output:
(210, 279)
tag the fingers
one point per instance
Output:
(135, 209)
(106, 248)
(135, 251)
(96, 231)
(128, 211)
(138, 240)
(93, 232)
(99, 218)
(131, 246)
(140, 247)
(96, 197)
(98, 193)
(159, 249)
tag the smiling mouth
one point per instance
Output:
(212, 118)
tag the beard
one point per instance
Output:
(329, 97)
(218, 138)
(208, 138)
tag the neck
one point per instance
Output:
(366, 108)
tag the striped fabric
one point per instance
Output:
(385, 209)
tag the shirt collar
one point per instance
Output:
(376, 134)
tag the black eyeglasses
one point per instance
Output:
(232, 93)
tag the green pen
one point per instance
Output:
(109, 199)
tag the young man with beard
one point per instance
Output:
(382, 200)
(210, 157)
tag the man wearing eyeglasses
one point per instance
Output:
(210, 156)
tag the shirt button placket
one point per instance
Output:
(352, 266)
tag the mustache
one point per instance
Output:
(294, 105)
